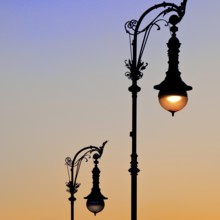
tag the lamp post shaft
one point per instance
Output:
(72, 191)
(72, 210)
(134, 89)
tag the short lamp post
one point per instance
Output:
(95, 200)
(172, 91)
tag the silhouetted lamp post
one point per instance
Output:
(172, 97)
(95, 200)
(172, 91)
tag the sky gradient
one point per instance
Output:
(63, 88)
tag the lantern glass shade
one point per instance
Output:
(173, 102)
(95, 206)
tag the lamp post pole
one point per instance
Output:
(172, 95)
(95, 202)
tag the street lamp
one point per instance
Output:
(172, 91)
(95, 200)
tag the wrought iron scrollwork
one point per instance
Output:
(68, 161)
(73, 166)
(130, 25)
(135, 65)
(139, 74)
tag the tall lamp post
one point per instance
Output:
(95, 200)
(172, 91)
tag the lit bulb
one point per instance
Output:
(174, 98)
(173, 103)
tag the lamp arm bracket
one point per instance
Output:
(75, 164)
(169, 7)
(135, 65)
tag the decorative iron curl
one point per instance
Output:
(68, 161)
(86, 156)
(130, 25)
(135, 73)
(155, 23)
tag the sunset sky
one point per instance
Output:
(63, 87)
